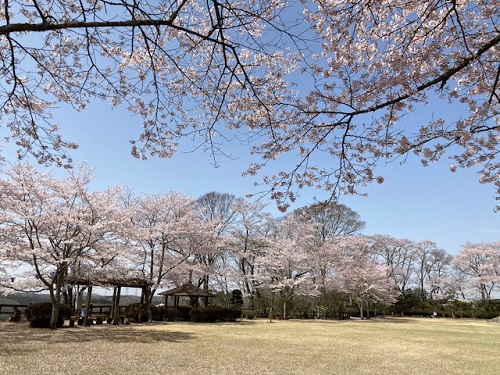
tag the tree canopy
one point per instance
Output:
(310, 78)
(55, 231)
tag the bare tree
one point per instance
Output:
(332, 220)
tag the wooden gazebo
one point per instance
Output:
(187, 290)
(117, 285)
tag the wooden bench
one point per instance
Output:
(73, 319)
(97, 318)
(344, 316)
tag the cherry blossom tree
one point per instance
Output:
(399, 255)
(361, 276)
(217, 210)
(479, 265)
(332, 222)
(434, 266)
(54, 227)
(182, 66)
(165, 237)
(426, 258)
(375, 64)
(284, 267)
(250, 239)
(309, 78)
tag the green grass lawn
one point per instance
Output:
(388, 346)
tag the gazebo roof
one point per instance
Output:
(187, 289)
(106, 282)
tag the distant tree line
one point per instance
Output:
(312, 262)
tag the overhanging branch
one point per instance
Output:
(45, 26)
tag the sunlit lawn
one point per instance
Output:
(381, 346)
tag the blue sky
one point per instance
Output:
(414, 202)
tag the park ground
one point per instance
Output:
(378, 346)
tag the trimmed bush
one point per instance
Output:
(237, 297)
(39, 314)
(162, 313)
(211, 314)
(221, 299)
(136, 312)
(251, 314)
(184, 313)
(158, 313)
(171, 314)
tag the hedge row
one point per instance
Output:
(138, 313)
(212, 314)
(39, 314)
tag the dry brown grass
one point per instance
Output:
(386, 346)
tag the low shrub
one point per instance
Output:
(39, 314)
(251, 314)
(158, 313)
(211, 314)
(482, 309)
(231, 314)
(171, 314)
(162, 313)
(184, 313)
(136, 312)
(237, 297)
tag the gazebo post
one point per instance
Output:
(87, 306)
(113, 304)
(79, 300)
(116, 303)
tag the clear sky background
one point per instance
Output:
(414, 202)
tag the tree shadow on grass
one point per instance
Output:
(21, 332)
(354, 320)
(246, 322)
(388, 319)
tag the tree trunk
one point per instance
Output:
(67, 294)
(55, 296)
(205, 283)
(270, 316)
(54, 315)
(148, 296)
(286, 296)
(116, 304)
